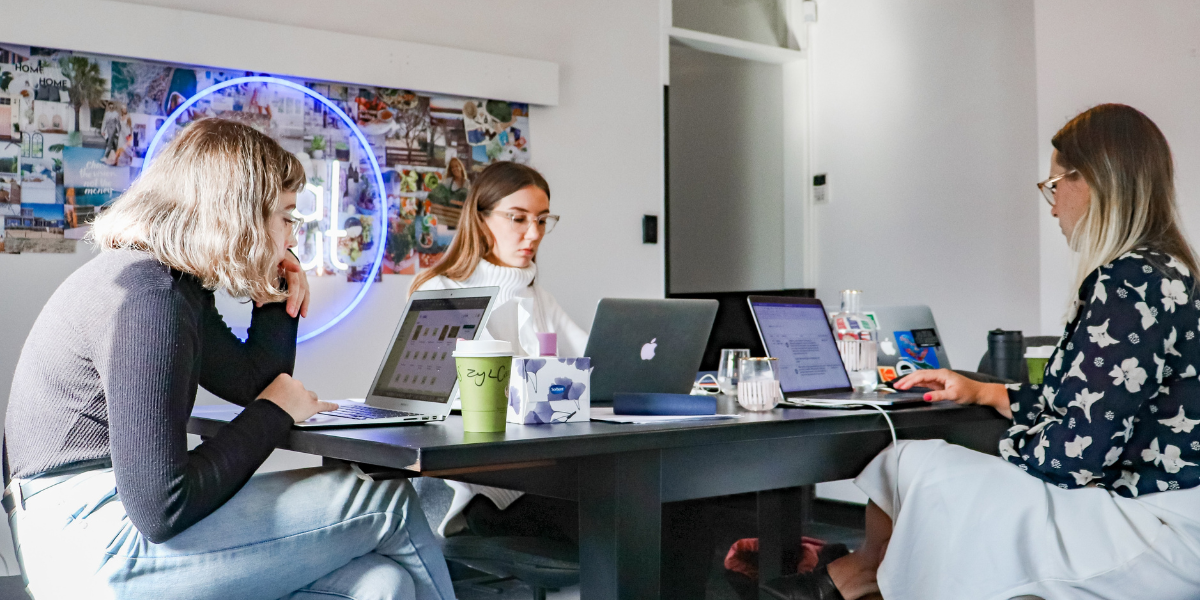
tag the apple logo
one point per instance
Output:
(648, 349)
(888, 347)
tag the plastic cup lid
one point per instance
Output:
(482, 348)
(1039, 351)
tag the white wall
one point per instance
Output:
(923, 115)
(600, 148)
(1146, 55)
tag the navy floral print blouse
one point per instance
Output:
(1120, 399)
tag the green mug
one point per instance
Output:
(484, 368)
(1036, 358)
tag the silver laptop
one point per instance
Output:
(417, 377)
(908, 338)
(796, 331)
(649, 346)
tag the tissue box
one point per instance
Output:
(549, 389)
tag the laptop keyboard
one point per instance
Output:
(360, 413)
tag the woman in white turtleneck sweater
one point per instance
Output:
(505, 217)
(503, 221)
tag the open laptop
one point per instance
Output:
(908, 339)
(647, 346)
(797, 332)
(417, 377)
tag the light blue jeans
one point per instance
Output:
(302, 535)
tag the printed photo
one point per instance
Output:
(75, 129)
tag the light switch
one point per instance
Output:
(820, 189)
(650, 229)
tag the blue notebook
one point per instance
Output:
(663, 404)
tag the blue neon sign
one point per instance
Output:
(376, 174)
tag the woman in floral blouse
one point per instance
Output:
(1100, 494)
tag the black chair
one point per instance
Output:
(540, 563)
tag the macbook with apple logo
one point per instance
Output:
(647, 346)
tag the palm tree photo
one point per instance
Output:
(87, 84)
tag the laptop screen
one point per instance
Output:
(799, 336)
(419, 365)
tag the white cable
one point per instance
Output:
(698, 389)
(821, 403)
(891, 427)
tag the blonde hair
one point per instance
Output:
(473, 240)
(1127, 164)
(204, 207)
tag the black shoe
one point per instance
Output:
(815, 585)
(830, 553)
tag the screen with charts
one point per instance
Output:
(799, 336)
(419, 365)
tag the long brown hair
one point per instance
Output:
(474, 240)
(204, 207)
(1126, 161)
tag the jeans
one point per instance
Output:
(301, 535)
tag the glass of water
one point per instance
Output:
(727, 371)
(758, 383)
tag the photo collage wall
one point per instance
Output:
(75, 128)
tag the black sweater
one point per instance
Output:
(110, 370)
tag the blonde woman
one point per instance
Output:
(106, 499)
(1096, 492)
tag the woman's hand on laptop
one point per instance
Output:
(290, 395)
(948, 385)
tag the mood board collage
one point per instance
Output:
(75, 130)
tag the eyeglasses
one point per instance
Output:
(1048, 186)
(295, 224)
(521, 222)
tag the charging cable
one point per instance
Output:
(895, 485)
(818, 403)
(698, 386)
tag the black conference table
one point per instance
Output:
(621, 474)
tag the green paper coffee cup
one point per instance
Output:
(484, 421)
(483, 369)
(1035, 359)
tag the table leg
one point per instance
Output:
(781, 518)
(620, 526)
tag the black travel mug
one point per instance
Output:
(1007, 349)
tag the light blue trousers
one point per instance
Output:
(302, 535)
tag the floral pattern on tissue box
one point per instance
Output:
(549, 389)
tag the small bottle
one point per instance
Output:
(857, 340)
(547, 344)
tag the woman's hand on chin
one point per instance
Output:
(297, 282)
(948, 385)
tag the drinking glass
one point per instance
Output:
(727, 371)
(758, 383)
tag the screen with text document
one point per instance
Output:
(799, 336)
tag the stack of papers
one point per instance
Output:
(606, 414)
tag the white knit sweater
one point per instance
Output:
(523, 308)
